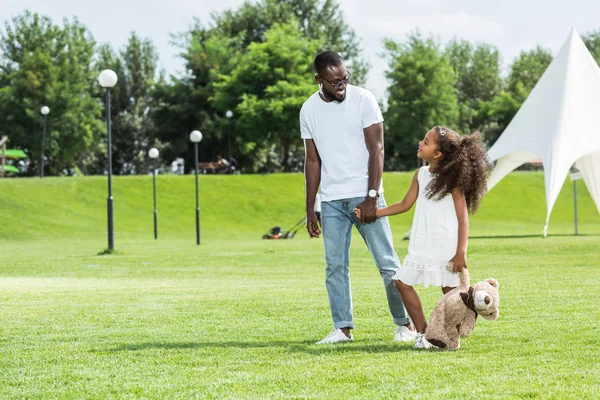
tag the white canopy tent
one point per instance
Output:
(558, 123)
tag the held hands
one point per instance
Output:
(312, 225)
(458, 262)
(358, 213)
(366, 211)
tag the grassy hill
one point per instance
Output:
(248, 205)
(238, 316)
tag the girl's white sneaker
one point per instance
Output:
(403, 334)
(421, 342)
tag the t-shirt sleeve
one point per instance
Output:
(304, 128)
(371, 113)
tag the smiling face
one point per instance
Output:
(428, 147)
(333, 82)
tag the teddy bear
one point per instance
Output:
(455, 313)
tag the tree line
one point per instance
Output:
(255, 61)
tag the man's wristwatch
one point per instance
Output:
(373, 194)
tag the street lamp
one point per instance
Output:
(44, 110)
(196, 137)
(107, 79)
(153, 153)
(229, 115)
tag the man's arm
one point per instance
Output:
(312, 179)
(374, 142)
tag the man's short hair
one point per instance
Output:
(326, 59)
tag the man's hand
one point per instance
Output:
(367, 210)
(312, 224)
(458, 262)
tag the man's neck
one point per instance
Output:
(324, 98)
(328, 100)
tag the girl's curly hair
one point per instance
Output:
(464, 165)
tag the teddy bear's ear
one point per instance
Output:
(493, 282)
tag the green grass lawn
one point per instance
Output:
(237, 317)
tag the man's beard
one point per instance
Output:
(331, 97)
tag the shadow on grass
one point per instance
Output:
(306, 346)
(356, 347)
(204, 345)
(531, 236)
(105, 252)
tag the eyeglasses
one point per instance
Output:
(337, 85)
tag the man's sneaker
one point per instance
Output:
(421, 342)
(336, 336)
(403, 334)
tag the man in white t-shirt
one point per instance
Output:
(342, 128)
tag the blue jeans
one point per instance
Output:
(337, 218)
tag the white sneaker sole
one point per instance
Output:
(331, 341)
(404, 339)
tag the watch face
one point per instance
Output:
(372, 193)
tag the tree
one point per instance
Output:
(321, 20)
(45, 64)
(499, 112)
(213, 49)
(525, 72)
(183, 104)
(131, 102)
(592, 41)
(267, 88)
(421, 95)
(477, 70)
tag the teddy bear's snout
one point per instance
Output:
(482, 299)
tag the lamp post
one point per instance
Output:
(196, 137)
(44, 110)
(575, 206)
(107, 79)
(229, 115)
(153, 154)
(575, 176)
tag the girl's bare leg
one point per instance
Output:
(412, 302)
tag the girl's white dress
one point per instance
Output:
(433, 240)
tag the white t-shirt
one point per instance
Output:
(318, 203)
(337, 131)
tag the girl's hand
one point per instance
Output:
(378, 214)
(368, 210)
(458, 262)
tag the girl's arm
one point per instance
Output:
(462, 214)
(406, 203)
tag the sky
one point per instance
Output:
(510, 25)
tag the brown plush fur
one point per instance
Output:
(454, 315)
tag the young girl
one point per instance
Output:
(451, 186)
